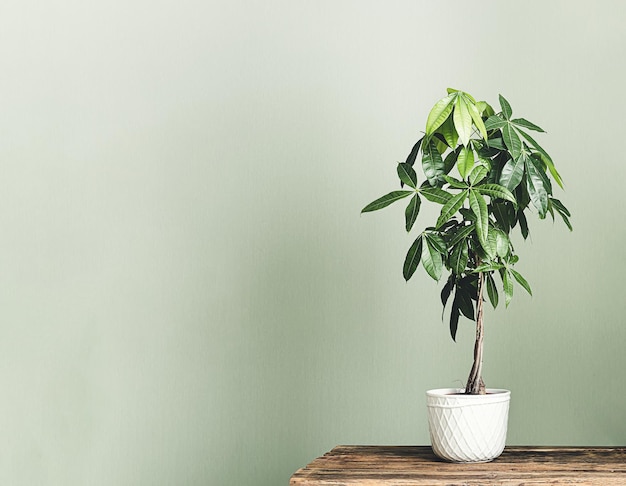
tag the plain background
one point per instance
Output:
(188, 294)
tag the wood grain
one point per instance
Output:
(418, 466)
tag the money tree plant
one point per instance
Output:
(487, 172)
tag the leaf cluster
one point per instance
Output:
(486, 172)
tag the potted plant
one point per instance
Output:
(486, 171)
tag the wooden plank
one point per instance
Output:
(418, 466)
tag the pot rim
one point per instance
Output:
(457, 393)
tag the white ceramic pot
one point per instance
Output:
(467, 428)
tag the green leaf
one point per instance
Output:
(432, 163)
(457, 184)
(445, 293)
(461, 234)
(478, 174)
(562, 210)
(502, 243)
(496, 143)
(488, 267)
(504, 215)
(450, 161)
(450, 208)
(521, 122)
(411, 211)
(437, 242)
(512, 172)
(508, 286)
(512, 140)
(523, 224)
(492, 291)
(449, 132)
(465, 302)
(478, 121)
(439, 113)
(484, 109)
(496, 191)
(506, 107)
(454, 315)
(435, 194)
(386, 200)
(431, 259)
(536, 190)
(459, 258)
(462, 120)
(414, 151)
(545, 157)
(412, 259)
(479, 208)
(407, 175)
(521, 280)
(465, 161)
(494, 122)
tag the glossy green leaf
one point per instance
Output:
(478, 121)
(521, 280)
(412, 258)
(455, 313)
(439, 113)
(461, 234)
(521, 122)
(411, 211)
(462, 120)
(437, 242)
(435, 194)
(494, 122)
(512, 140)
(432, 164)
(450, 208)
(488, 267)
(478, 174)
(459, 258)
(508, 286)
(449, 132)
(506, 107)
(496, 191)
(545, 157)
(431, 260)
(386, 200)
(502, 243)
(407, 174)
(503, 214)
(445, 292)
(523, 224)
(537, 162)
(468, 96)
(563, 211)
(450, 160)
(479, 208)
(512, 172)
(465, 302)
(465, 161)
(492, 291)
(457, 184)
(414, 151)
(536, 190)
(497, 143)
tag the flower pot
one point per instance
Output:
(467, 428)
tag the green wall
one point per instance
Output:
(188, 295)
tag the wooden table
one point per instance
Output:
(417, 465)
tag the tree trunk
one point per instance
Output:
(475, 385)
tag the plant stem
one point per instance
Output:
(475, 384)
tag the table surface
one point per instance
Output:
(418, 466)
